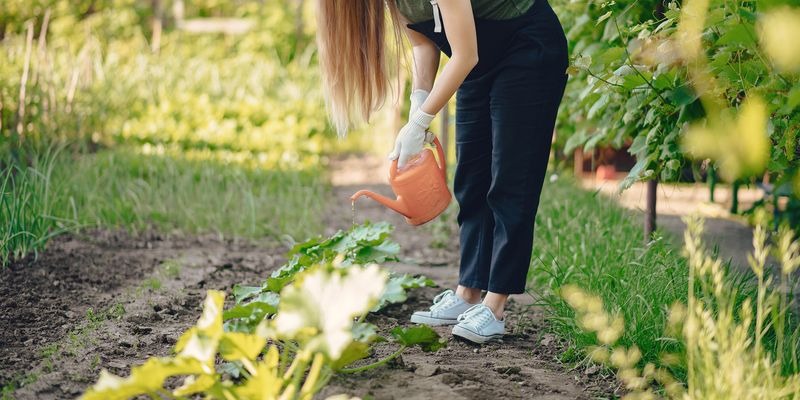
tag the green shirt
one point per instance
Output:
(421, 10)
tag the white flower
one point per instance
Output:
(319, 309)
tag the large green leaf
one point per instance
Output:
(353, 352)
(421, 335)
(740, 34)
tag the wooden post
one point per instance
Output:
(577, 162)
(712, 182)
(650, 211)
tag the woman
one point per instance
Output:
(507, 63)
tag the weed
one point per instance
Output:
(116, 311)
(171, 268)
(152, 283)
(49, 351)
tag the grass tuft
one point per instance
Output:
(587, 240)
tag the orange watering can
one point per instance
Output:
(420, 186)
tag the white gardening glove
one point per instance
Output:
(417, 98)
(412, 137)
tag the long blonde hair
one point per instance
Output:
(357, 56)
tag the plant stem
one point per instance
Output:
(376, 364)
(307, 391)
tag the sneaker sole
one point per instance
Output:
(420, 319)
(474, 337)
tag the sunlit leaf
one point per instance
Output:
(778, 31)
(235, 346)
(583, 62)
(265, 384)
(195, 384)
(741, 147)
(146, 378)
(241, 292)
(603, 17)
(396, 287)
(324, 303)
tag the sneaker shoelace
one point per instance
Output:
(443, 300)
(478, 315)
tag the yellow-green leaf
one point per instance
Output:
(235, 346)
(195, 384)
(776, 29)
(146, 378)
(265, 384)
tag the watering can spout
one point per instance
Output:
(395, 205)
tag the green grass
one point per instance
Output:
(188, 192)
(585, 239)
(193, 193)
(27, 217)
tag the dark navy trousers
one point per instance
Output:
(505, 115)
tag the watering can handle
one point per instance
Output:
(442, 162)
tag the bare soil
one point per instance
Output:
(109, 299)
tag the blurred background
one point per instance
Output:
(207, 115)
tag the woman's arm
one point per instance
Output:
(426, 59)
(459, 25)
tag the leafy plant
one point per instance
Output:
(642, 80)
(285, 343)
(726, 352)
(291, 356)
(362, 244)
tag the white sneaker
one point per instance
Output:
(479, 325)
(446, 308)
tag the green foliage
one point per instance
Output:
(129, 189)
(633, 84)
(312, 334)
(585, 239)
(27, 216)
(361, 245)
(420, 335)
(724, 339)
(94, 78)
(194, 194)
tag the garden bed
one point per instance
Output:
(107, 299)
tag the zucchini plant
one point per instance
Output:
(286, 338)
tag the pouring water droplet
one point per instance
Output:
(353, 207)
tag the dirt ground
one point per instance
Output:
(108, 299)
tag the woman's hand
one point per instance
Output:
(412, 138)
